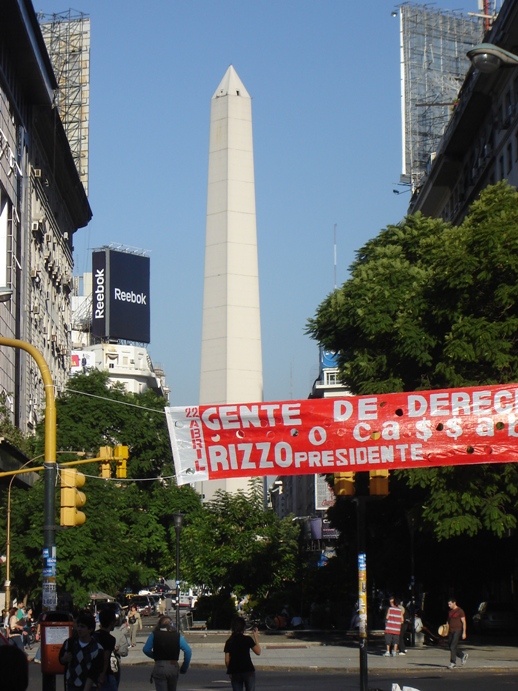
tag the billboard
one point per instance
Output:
(418, 429)
(120, 296)
(81, 361)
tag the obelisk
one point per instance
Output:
(231, 359)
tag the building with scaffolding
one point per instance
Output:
(480, 144)
(67, 38)
(433, 45)
(42, 205)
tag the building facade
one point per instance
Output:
(42, 204)
(480, 144)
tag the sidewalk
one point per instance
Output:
(321, 650)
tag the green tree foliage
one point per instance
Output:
(234, 544)
(129, 537)
(429, 305)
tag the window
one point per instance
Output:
(331, 378)
(501, 167)
(509, 157)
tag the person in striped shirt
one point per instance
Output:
(393, 620)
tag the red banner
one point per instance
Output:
(394, 431)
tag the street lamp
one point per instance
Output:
(178, 524)
(488, 58)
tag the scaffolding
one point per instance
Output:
(67, 37)
(433, 46)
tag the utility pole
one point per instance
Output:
(49, 592)
(48, 580)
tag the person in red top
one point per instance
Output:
(393, 621)
(457, 630)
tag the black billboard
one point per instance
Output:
(120, 292)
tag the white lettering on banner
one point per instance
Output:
(138, 298)
(240, 457)
(243, 416)
(99, 294)
(446, 403)
(344, 409)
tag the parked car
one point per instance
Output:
(496, 617)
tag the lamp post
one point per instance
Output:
(488, 58)
(178, 524)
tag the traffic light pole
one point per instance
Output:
(49, 592)
(362, 589)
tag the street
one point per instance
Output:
(136, 678)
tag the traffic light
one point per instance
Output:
(343, 485)
(121, 453)
(107, 453)
(71, 497)
(379, 483)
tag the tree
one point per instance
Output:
(429, 305)
(230, 544)
(127, 538)
(246, 549)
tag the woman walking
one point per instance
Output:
(240, 667)
(135, 623)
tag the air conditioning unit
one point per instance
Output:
(36, 226)
(35, 309)
(48, 237)
(36, 172)
(65, 235)
(54, 338)
(35, 273)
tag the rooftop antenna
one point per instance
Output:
(335, 254)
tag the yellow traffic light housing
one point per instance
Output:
(71, 497)
(379, 483)
(121, 454)
(107, 453)
(343, 485)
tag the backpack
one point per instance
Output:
(114, 662)
(122, 642)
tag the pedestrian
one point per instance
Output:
(15, 629)
(111, 667)
(393, 620)
(456, 631)
(135, 624)
(404, 626)
(237, 649)
(163, 646)
(162, 606)
(82, 656)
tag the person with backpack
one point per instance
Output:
(110, 676)
(82, 656)
(164, 646)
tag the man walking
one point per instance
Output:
(393, 620)
(456, 631)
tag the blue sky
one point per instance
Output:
(325, 81)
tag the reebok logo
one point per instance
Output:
(99, 294)
(138, 298)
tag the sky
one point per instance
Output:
(324, 76)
